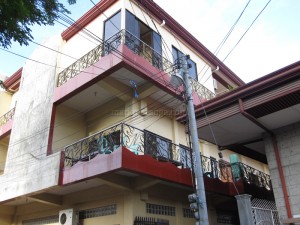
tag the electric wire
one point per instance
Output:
(246, 30)
(218, 49)
(66, 20)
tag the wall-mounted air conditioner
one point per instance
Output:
(68, 217)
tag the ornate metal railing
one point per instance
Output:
(7, 117)
(143, 142)
(138, 141)
(253, 176)
(217, 169)
(75, 68)
(202, 91)
(138, 47)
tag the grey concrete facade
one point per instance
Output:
(288, 140)
(28, 168)
(245, 210)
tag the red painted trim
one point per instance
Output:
(6, 129)
(161, 15)
(282, 178)
(51, 130)
(254, 88)
(89, 76)
(13, 79)
(110, 64)
(124, 160)
(88, 17)
(61, 168)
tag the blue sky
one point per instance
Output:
(271, 43)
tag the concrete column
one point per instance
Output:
(244, 207)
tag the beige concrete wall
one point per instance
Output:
(28, 168)
(69, 127)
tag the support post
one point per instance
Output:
(203, 220)
(244, 208)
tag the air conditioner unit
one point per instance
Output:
(68, 217)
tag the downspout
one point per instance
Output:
(277, 156)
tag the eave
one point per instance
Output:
(160, 15)
(13, 82)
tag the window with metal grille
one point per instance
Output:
(41, 221)
(188, 213)
(160, 209)
(96, 212)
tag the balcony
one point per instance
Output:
(142, 142)
(135, 45)
(7, 117)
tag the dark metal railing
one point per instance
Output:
(138, 47)
(7, 117)
(78, 66)
(149, 221)
(138, 141)
(253, 176)
(217, 169)
(143, 142)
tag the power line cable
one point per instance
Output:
(246, 30)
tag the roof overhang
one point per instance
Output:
(238, 119)
(12, 84)
(159, 14)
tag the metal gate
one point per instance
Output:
(264, 212)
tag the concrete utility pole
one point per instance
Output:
(202, 207)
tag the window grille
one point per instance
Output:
(160, 209)
(188, 213)
(41, 221)
(96, 212)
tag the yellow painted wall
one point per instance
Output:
(69, 127)
(5, 219)
(86, 43)
(5, 101)
(3, 152)
(105, 116)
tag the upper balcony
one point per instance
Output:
(142, 143)
(138, 47)
(6, 122)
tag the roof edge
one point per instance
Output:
(266, 82)
(13, 78)
(158, 12)
(88, 17)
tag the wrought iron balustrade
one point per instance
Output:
(75, 68)
(143, 142)
(254, 176)
(216, 169)
(138, 47)
(138, 141)
(7, 117)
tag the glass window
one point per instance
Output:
(141, 39)
(112, 25)
(178, 55)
